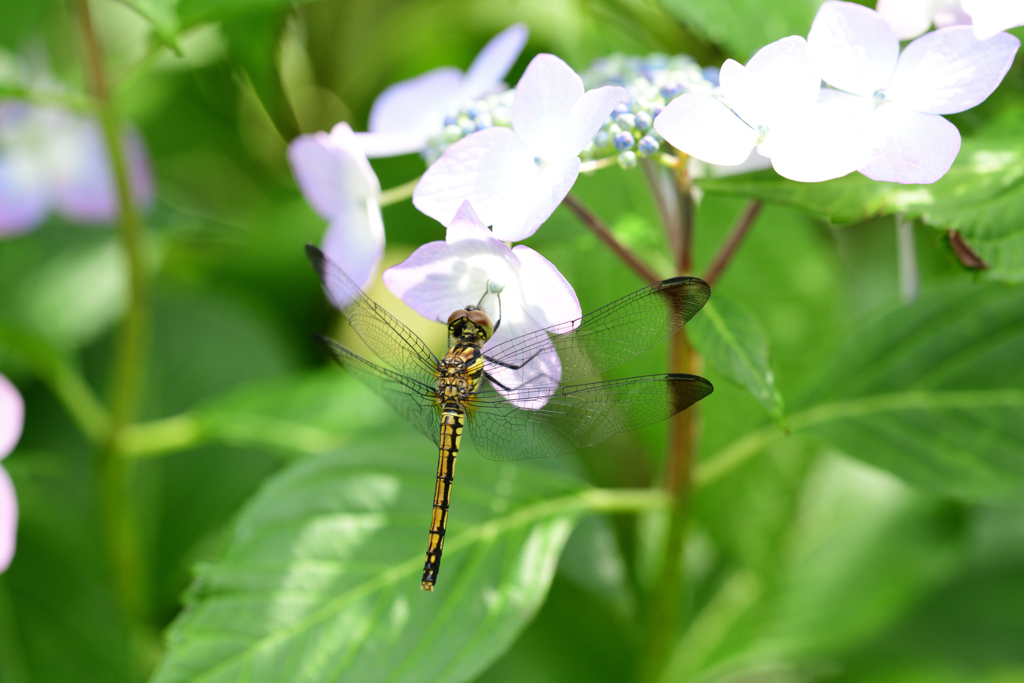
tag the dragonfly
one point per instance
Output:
(514, 399)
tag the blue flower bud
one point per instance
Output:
(671, 90)
(643, 121)
(483, 120)
(620, 108)
(647, 146)
(625, 121)
(450, 119)
(623, 140)
(602, 139)
(627, 160)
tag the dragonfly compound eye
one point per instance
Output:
(481, 320)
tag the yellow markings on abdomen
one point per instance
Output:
(451, 435)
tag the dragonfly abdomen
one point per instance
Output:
(451, 434)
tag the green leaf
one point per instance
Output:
(745, 26)
(192, 12)
(931, 392)
(321, 578)
(163, 15)
(982, 196)
(732, 340)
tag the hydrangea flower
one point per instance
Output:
(911, 18)
(407, 114)
(12, 419)
(52, 159)
(468, 267)
(515, 178)
(338, 182)
(901, 96)
(771, 104)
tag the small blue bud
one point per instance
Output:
(671, 90)
(620, 108)
(643, 121)
(627, 160)
(625, 121)
(613, 129)
(647, 146)
(655, 111)
(450, 119)
(474, 110)
(601, 139)
(624, 140)
(483, 120)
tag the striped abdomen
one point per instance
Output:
(451, 434)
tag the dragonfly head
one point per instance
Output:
(470, 325)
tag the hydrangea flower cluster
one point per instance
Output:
(12, 419)
(651, 82)
(493, 110)
(880, 114)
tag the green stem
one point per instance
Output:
(13, 668)
(64, 380)
(122, 537)
(399, 193)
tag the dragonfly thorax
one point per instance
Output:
(459, 375)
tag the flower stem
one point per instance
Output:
(588, 218)
(684, 191)
(732, 243)
(399, 193)
(114, 472)
(910, 278)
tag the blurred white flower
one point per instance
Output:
(516, 177)
(52, 159)
(911, 18)
(406, 114)
(338, 182)
(12, 419)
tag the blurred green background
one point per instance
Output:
(863, 549)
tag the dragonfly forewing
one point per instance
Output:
(600, 340)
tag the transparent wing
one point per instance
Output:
(411, 399)
(576, 416)
(392, 341)
(600, 340)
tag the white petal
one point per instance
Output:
(539, 298)
(543, 103)
(355, 241)
(706, 129)
(376, 145)
(417, 105)
(992, 16)
(949, 13)
(470, 239)
(949, 70)
(492, 169)
(8, 520)
(918, 148)
(552, 299)
(331, 171)
(547, 192)
(827, 140)
(853, 47)
(431, 281)
(24, 199)
(12, 416)
(908, 18)
(493, 62)
(586, 118)
(778, 80)
(84, 187)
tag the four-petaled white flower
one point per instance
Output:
(406, 114)
(52, 159)
(901, 96)
(911, 18)
(12, 419)
(774, 104)
(515, 178)
(473, 265)
(338, 182)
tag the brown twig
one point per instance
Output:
(733, 242)
(605, 235)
